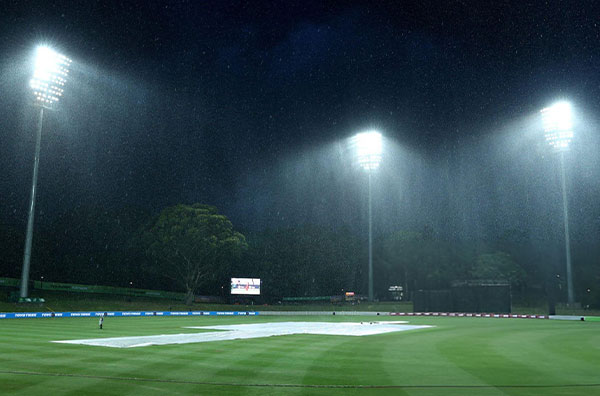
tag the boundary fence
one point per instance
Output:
(87, 314)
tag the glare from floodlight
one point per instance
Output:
(368, 147)
(50, 76)
(558, 125)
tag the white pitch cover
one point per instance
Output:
(254, 330)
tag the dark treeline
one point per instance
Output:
(111, 247)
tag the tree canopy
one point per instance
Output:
(304, 261)
(193, 245)
(498, 265)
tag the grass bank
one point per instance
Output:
(63, 302)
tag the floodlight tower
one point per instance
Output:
(47, 83)
(368, 147)
(558, 130)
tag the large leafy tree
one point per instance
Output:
(192, 245)
(498, 265)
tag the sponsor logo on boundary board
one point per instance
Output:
(32, 315)
(27, 315)
(469, 315)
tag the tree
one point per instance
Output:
(498, 265)
(403, 251)
(192, 245)
(303, 261)
(11, 240)
(95, 245)
(423, 261)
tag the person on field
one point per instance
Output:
(101, 322)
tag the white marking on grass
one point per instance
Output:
(246, 331)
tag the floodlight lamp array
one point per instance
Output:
(50, 76)
(368, 147)
(558, 125)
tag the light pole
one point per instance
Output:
(49, 77)
(368, 147)
(558, 129)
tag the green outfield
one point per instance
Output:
(459, 356)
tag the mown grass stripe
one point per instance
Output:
(332, 386)
(458, 353)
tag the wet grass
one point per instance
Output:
(63, 302)
(460, 356)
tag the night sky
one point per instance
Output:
(247, 105)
